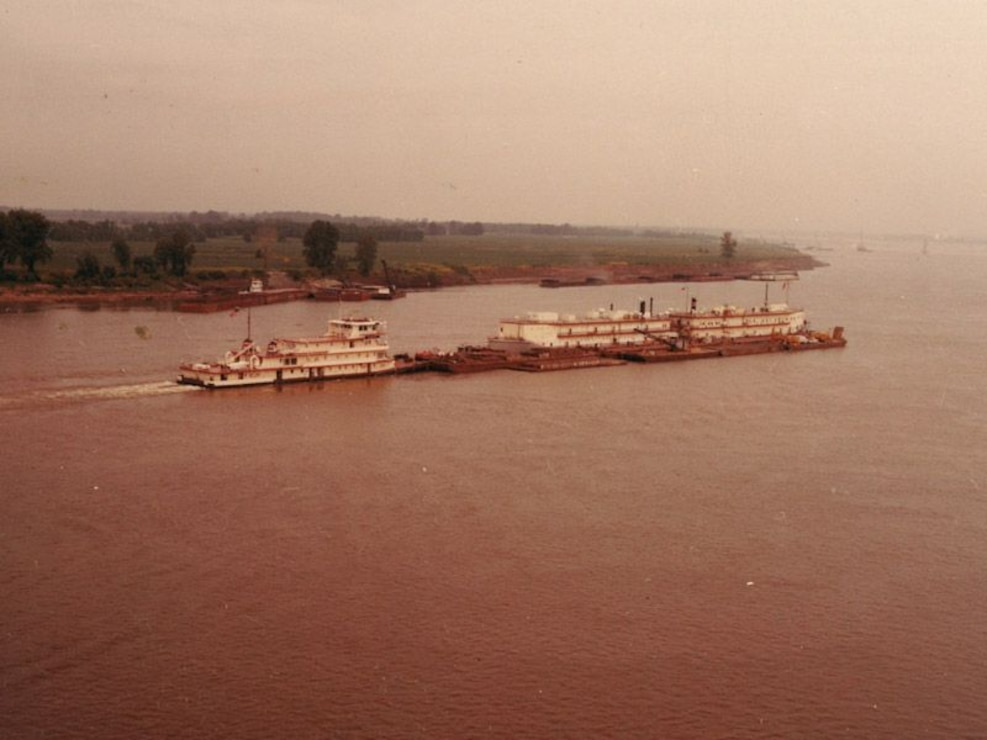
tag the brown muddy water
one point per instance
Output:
(769, 546)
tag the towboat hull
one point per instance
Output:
(223, 377)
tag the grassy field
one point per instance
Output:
(233, 255)
(514, 251)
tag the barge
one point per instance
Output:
(466, 359)
(603, 329)
(256, 295)
(672, 336)
(549, 360)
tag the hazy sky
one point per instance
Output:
(859, 116)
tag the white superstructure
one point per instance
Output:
(351, 347)
(729, 322)
(603, 328)
(595, 329)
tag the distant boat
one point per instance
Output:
(384, 292)
(342, 294)
(781, 275)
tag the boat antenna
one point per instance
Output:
(249, 333)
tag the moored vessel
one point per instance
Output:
(213, 302)
(343, 293)
(352, 347)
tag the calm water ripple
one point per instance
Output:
(776, 546)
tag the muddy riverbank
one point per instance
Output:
(36, 295)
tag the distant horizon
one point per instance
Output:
(105, 213)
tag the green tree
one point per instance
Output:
(728, 245)
(27, 235)
(175, 253)
(145, 265)
(366, 254)
(6, 248)
(320, 241)
(121, 253)
(88, 269)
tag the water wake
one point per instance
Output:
(48, 396)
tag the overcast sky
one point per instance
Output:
(866, 116)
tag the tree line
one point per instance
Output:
(25, 238)
(319, 245)
(250, 230)
(103, 226)
(25, 235)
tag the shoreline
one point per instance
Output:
(41, 295)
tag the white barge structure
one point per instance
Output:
(351, 347)
(645, 336)
(602, 329)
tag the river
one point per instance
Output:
(786, 545)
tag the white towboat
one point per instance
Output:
(351, 347)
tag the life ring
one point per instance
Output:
(254, 362)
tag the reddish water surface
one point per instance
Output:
(769, 546)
